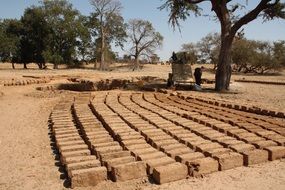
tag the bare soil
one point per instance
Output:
(27, 159)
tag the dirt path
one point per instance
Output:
(26, 159)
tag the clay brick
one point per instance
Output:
(229, 160)
(276, 152)
(144, 157)
(159, 144)
(107, 149)
(76, 159)
(166, 148)
(138, 146)
(170, 172)
(179, 151)
(68, 148)
(263, 144)
(242, 147)
(82, 165)
(124, 172)
(217, 151)
(68, 143)
(143, 151)
(158, 162)
(133, 142)
(88, 177)
(116, 161)
(205, 147)
(255, 157)
(186, 158)
(65, 155)
(202, 166)
(111, 155)
(105, 144)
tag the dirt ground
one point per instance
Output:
(27, 160)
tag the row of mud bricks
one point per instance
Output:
(261, 82)
(128, 136)
(213, 101)
(244, 108)
(24, 82)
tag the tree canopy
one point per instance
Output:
(144, 39)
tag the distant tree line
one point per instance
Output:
(248, 56)
(55, 32)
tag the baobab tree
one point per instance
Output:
(144, 39)
(231, 22)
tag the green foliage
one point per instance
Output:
(179, 10)
(9, 41)
(257, 56)
(62, 38)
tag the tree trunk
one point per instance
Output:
(25, 66)
(102, 63)
(13, 65)
(55, 66)
(224, 69)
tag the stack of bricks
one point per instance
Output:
(120, 164)
(83, 169)
(24, 82)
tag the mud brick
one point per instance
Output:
(65, 129)
(76, 159)
(98, 134)
(133, 142)
(124, 172)
(111, 155)
(246, 134)
(130, 137)
(68, 139)
(266, 133)
(275, 152)
(234, 132)
(88, 177)
(158, 162)
(98, 140)
(138, 146)
(253, 139)
(223, 127)
(179, 151)
(68, 148)
(170, 172)
(105, 144)
(159, 138)
(202, 166)
(186, 158)
(205, 147)
(214, 135)
(229, 160)
(166, 148)
(108, 149)
(68, 143)
(217, 151)
(159, 144)
(255, 157)
(149, 156)
(242, 147)
(263, 144)
(82, 165)
(65, 155)
(143, 151)
(193, 144)
(73, 131)
(116, 161)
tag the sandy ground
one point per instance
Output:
(27, 160)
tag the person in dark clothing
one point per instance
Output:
(198, 76)
(174, 57)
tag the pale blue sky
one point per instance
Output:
(192, 30)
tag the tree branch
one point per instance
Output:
(264, 4)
